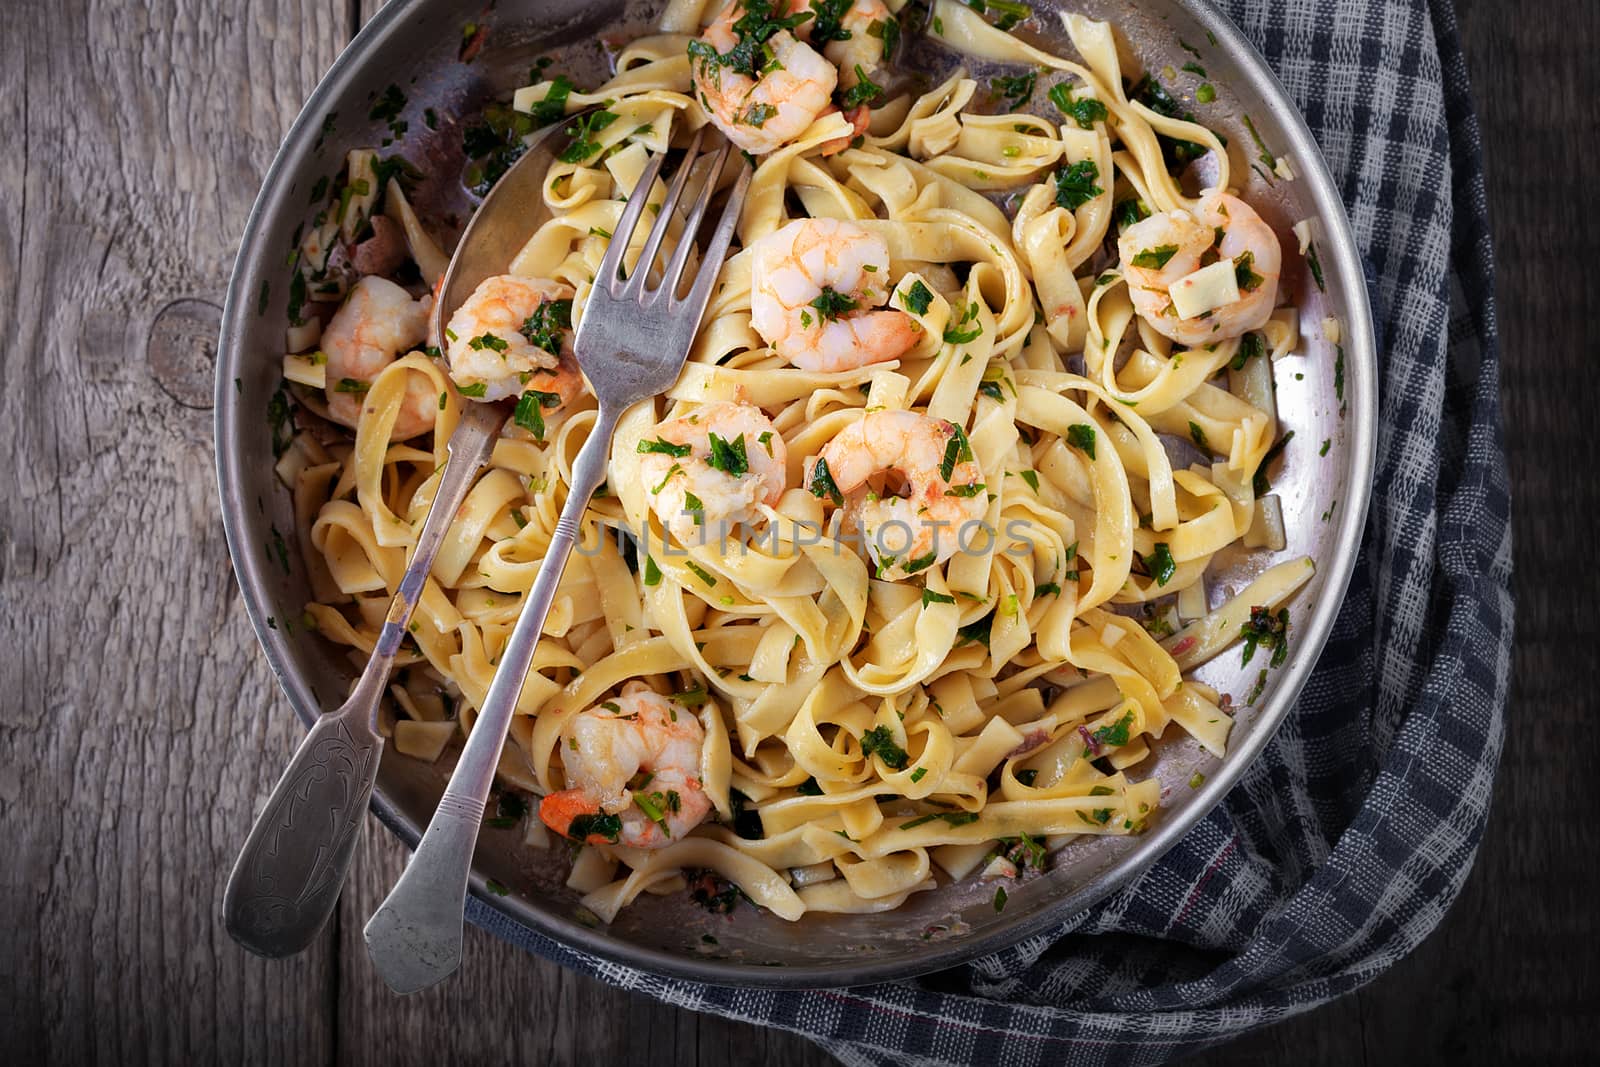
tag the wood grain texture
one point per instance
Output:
(138, 724)
(140, 728)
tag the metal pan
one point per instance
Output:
(1322, 395)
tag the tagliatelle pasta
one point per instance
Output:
(867, 718)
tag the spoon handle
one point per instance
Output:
(289, 872)
(414, 938)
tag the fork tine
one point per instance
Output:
(672, 273)
(611, 262)
(658, 232)
(711, 265)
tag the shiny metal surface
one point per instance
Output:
(631, 343)
(1322, 395)
(294, 861)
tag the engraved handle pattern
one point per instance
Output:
(414, 938)
(288, 875)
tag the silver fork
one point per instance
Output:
(631, 343)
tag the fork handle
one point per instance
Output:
(414, 938)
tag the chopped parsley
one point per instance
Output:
(728, 457)
(543, 328)
(828, 25)
(751, 55)
(879, 741)
(1075, 185)
(476, 389)
(1082, 436)
(757, 115)
(1161, 564)
(977, 631)
(1085, 111)
(956, 450)
(554, 104)
(1153, 95)
(665, 448)
(700, 572)
(887, 31)
(1031, 477)
(1248, 280)
(1267, 630)
(1116, 733)
(864, 91)
(528, 413)
(1155, 258)
(955, 335)
(493, 145)
(831, 304)
(1024, 851)
(951, 818)
(510, 809)
(600, 825)
(929, 596)
(1269, 160)
(351, 385)
(822, 483)
(1008, 12)
(493, 342)
(1015, 90)
(1198, 436)
(1127, 212)
(1250, 346)
(583, 132)
(1000, 898)
(1261, 484)
(1205, 93)
(917, 298)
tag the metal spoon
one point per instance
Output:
(292, 866)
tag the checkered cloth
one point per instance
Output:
(1342, 846)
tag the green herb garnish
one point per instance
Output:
(1075, 185)
(1155, 258)
(917, 298)
(879, 741)
(728, 456)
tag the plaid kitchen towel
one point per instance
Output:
(1342, 846)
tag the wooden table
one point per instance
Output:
(139, 726)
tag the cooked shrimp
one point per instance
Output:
(377, 323)
(914, 487)
(759, 113)
(509, 328)
(707, 471)
(815, 290)
(860, 46)
(634, 767)
(1221, 227)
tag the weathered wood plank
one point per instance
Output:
(505, 1005)
(138, 723)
